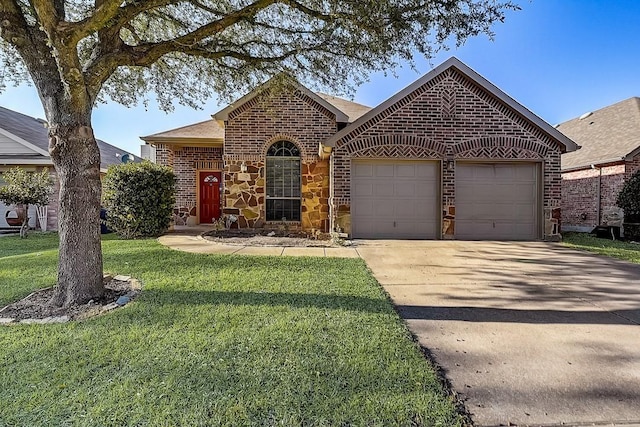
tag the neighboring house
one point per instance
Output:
(24, 142)
(450, 156)
(593, 176)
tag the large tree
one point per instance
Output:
(80, 52)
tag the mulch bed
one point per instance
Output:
(262, 237)
(37, 306)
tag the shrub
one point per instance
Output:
(629, 201)
(629, 198)
(139, 199)
(26, 188)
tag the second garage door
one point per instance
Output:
(497, 201)
(395, 199)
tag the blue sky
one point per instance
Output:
(559, 58)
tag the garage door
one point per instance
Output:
(497, 201)
(395, 199)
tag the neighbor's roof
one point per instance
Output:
(33, 134)
(606, 135)
(461, 67)
(207, 131)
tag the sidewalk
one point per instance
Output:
(189, 239)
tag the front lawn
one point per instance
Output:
(215, 340)
(616, 249)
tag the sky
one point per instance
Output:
(558, 58)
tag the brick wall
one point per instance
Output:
(449, 117)
(581, 208)
(250, 131)
(188, 160)
(632, 167)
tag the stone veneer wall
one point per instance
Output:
(250, 131)
(449, 118)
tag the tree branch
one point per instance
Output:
(143, 55)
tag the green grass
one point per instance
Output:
(215, 340)
(615, 249)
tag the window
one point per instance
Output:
(283, 182)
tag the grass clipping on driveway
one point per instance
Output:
(216, 340)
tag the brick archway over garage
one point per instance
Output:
(454, 115)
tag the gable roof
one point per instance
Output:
(207, 131)
(353, 110)
(461, 67)
(223, 114)
(608, 135)
(32, 133)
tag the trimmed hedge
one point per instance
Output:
(139, 199)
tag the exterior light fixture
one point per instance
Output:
(243, 167)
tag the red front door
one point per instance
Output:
(209, 196)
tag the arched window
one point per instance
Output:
(283, 182)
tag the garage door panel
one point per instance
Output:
(383, 189)
(405, 189)
(383, 210)
(401, 200)
(362, 170)
(405, 171)
(384, 170)
(496, 201)
(526, 174)
(427, 170)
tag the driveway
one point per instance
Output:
(527, 333)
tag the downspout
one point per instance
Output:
(332, 206)
(325, 152)
(598, 195)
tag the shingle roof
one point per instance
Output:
(33, 131)
(209, 129)
(352, 109)
(606, 135)
(340, 115)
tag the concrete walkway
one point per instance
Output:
(189, 239)
(528, 333)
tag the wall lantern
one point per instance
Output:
(243, 167)
(451, 164)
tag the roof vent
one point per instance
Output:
(585, 115)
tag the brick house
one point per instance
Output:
(24, 142)
(450, 156)
(593, 176)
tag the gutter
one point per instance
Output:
(593, 165)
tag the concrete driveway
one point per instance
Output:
(527, 333)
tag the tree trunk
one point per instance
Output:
(25, 223)
(76, 157)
